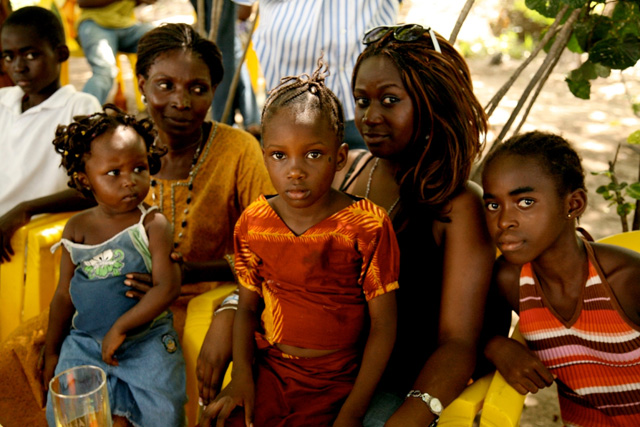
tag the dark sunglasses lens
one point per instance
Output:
(409, 33)
(375, 34)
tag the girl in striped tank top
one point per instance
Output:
(579, 302)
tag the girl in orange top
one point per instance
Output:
(319, 260)
(579, 302)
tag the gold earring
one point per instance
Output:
(569, 215)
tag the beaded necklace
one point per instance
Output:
(158, 199)
(373, 168)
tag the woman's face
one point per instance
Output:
(384, 110)
(178, 91)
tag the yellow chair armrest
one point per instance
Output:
(462, 411)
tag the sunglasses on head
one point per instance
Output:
(402, 33)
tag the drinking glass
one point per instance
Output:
(80, 398)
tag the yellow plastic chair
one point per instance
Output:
(28, 281)
(199, 314)
(629, 240)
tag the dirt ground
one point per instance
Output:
(595, 127)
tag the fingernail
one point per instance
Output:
(127, 283)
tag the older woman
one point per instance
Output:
(210, 173)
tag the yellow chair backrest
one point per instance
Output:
(28, 281)
(629, 240)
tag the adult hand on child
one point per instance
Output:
(140, 283)
(111, 343)
(239, 392)
(522, 369)
(9, 224)
(215, 355)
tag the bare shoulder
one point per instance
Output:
(506, 277)
(621, 268)
(74, 228)
(356, 159)
(155, 221)
(465, 213)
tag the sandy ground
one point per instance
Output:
(595, 127)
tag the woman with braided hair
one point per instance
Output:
(323, 263)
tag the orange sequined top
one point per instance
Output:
(315, 286)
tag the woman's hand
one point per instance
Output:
(9, 224)
(111, 343)
(522, 369)
(240, 392)
(215, 355)
(140, 283)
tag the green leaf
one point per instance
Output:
(575, 4)
(574, 45)
(605, 173)
(548, 8)
(636, 109)
(602, 189)
(634, 138)
(634, 190)
(616, 53)
(626, 11)
(601, 70)
(591, 30)
(624, 209)
(580, 88)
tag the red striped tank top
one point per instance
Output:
(595, 355)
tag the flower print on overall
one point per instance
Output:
(108, 263)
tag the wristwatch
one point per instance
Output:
(433, 403)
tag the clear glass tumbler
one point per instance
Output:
(80, 398)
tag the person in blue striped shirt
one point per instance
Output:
(292, 35)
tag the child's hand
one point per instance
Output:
(9, 224)
(237, 393)
(110, 344)
(49, 368)
(214, 356)
(521, 368)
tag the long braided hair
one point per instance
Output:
(450, 123)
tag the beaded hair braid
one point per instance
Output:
(73, 142)
(304, 92)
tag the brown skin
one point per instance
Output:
(117, 172)
(302, 156)
(531, 222)
(384, 115)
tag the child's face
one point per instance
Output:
(524, 211)
(302, 154)
(30, 61)
(117, 170)
(179, 92)
(384, 110)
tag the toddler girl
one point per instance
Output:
(109, 156)
(579, 302)
(320, 261)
